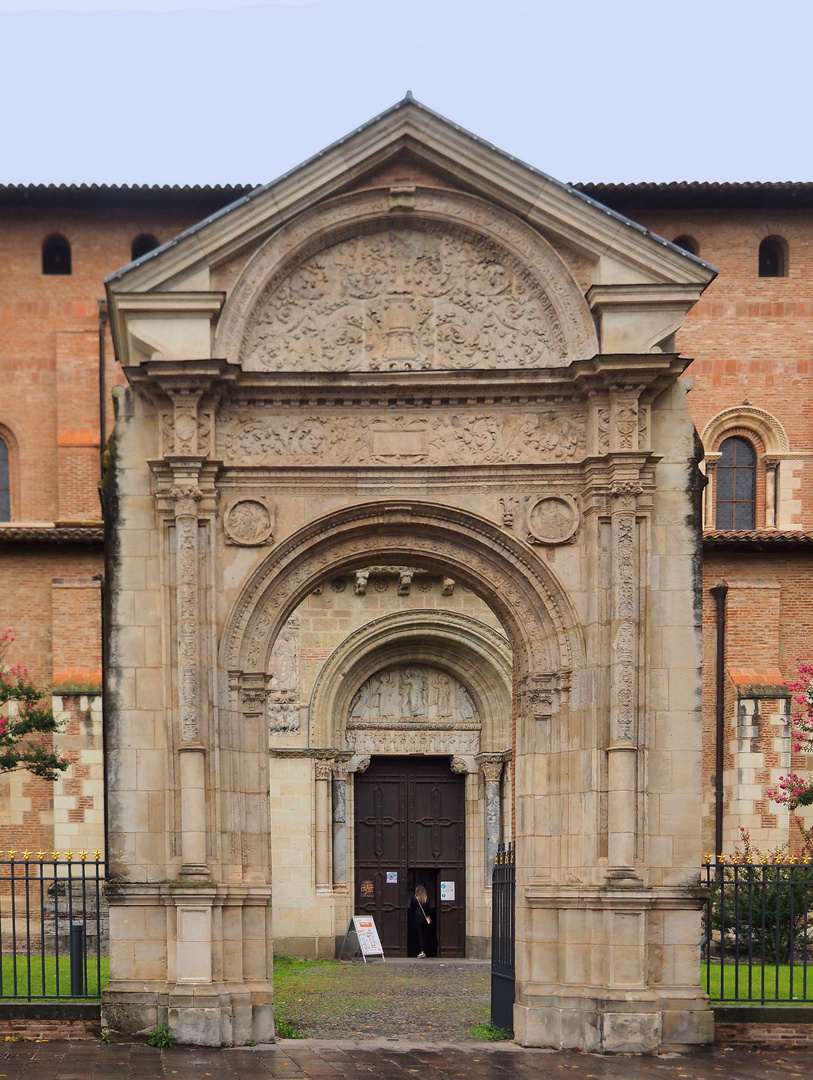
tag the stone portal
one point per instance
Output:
(404, 468)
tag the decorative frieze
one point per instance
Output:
(430, 438)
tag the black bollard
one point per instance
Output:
(77, 960)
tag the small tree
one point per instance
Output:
(26, 722)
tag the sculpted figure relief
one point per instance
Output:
(412, 692)
(283, 698)
(431, 438)
(405, 299)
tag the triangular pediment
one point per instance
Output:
(410, 152)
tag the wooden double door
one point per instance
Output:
(410, 831)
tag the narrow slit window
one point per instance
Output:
(688, 243)
(143, 244)
(736, 495)
(772, 261)
(56, 255)
(5, 487)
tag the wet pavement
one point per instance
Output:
(385, 1059)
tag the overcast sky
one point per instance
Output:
(233, 91)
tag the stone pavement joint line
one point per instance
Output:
(385, 1060)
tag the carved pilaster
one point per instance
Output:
(186, 556)
(621, 765)
(624, 421)
(623, 694)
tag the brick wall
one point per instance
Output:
(750, 336)
(769, 619)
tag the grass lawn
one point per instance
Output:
(739, 990)
(7, 990)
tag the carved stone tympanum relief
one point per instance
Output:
(411, 692)
(413, 709)
(245, 438)
(405, 299)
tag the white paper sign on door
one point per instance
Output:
(447, 890)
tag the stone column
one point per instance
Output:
(622, 749)
(710, 496)
(340, 823)
(492, 774)
(323, 773)
(771, 466)
(192, 753)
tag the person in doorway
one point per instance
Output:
(420, 915)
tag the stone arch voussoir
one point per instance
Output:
(534, 610)
(465, 647)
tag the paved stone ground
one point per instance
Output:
(382, 1060)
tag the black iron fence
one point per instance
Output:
(758, 931)
(503, 934)
(54, 926)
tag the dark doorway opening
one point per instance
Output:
(410, 830)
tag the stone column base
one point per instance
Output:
(196, 959)
(197, 1016)
(613, 1022)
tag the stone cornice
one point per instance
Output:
(90, 534)
(636, 373)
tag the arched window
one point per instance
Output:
(736, 492)
(142, 244)
(688, 243)
(5, 484)
(56, 255)
(773, 257)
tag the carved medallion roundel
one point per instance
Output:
(552, 520)
(248, 522)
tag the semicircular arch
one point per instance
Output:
(764, 424)
(458, 644)
(560, 316)
(533, 608)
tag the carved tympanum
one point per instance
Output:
(405, 299)
(411, 692)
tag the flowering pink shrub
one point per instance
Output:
(795, 790)
(25, 723)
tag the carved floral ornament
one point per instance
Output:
(439, 438)
(456, 283)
